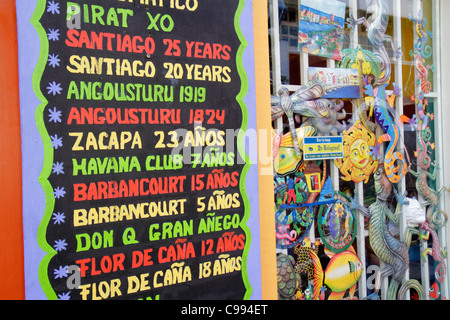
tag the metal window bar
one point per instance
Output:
(398, 70)
(424, 263)
(443, 237)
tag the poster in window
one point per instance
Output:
(321, 28)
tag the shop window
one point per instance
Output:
(397, 67)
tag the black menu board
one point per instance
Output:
(141, 124)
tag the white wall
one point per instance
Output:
(445, 96)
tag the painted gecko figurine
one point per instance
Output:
(395, 172)
(421, 45)
(436, 218)
(390, 250)
(421, 52)
(439, 254)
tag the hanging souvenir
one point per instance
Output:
(288, 280)
(436, 217)
(435, 292)
(292, 223)
(390, 250)
(394, 162)
(321, 28)
(337, 224)
(342, 273)
(314, 182)
(323, 114)
(286, 160)
(289, 235)
(376, 27)
(290, 189)
(439, 254)
(287, 105)
(363, 60)
(358, 164)
(340, 83)
(309, 265)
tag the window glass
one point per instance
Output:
(411, 71)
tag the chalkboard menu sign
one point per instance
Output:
(142, 122)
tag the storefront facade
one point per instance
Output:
(336, 112)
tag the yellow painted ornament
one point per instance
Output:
(342, 273)
(358, 164)
(286, 160)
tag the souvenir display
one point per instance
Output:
(324, 114)
(435, 251)
(390, 250)
(376, 27)
(337, 224)
(286, 160)
(321, 28)
(358, 164)
(287, 279)
(342, 274)
(316, 221)
(308, 263)
(436, 218)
